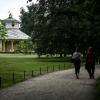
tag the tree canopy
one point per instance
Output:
(3, 31)
(59, 26)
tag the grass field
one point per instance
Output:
(15, 68)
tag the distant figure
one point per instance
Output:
(90, 62)
(76, 60)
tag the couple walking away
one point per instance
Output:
(90, 62)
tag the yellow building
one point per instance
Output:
(14, 35)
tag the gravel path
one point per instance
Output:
(61, 85)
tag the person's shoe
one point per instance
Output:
(93, 76)
(90, 76)
(77, 76)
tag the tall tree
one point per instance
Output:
(60, 25)
(96, 27)
(3, 34)
(28, 18)
(3, 31)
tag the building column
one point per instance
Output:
(0, 45)
(3, 45)
(12, 46)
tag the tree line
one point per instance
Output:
(59, 26)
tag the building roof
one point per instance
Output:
(10, 19)
(16, 34)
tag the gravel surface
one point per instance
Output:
(61, 85)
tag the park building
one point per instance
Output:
(14, 35)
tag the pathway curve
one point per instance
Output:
(61, 85)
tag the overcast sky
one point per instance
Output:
(13, 6)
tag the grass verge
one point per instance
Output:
(14, 69)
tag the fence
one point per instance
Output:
(7, 79)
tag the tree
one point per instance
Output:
(28, 19)
(24, 46)
(3, 34)
(59, 26)
(3, 31)
(96, 27)
(58, 36)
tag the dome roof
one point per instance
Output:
(10, 19)
(16, 34)
(13, 32)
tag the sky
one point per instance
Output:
(12, 6)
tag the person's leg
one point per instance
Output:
(89, 70)
(77, 70)
(92, 71)
(78, 67)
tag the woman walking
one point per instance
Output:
(90, 62)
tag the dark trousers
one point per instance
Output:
(91, 69)
(77, 66)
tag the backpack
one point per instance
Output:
(76, 56)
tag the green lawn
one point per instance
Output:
(22, 65)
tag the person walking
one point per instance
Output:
(90, 62)
(76, 60)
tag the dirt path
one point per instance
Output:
(61, 85)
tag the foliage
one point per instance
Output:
(59, 26)
(96, 27)
(28, 19)
(24, 46)
(3, 31)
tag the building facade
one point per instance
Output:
(14, 35)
